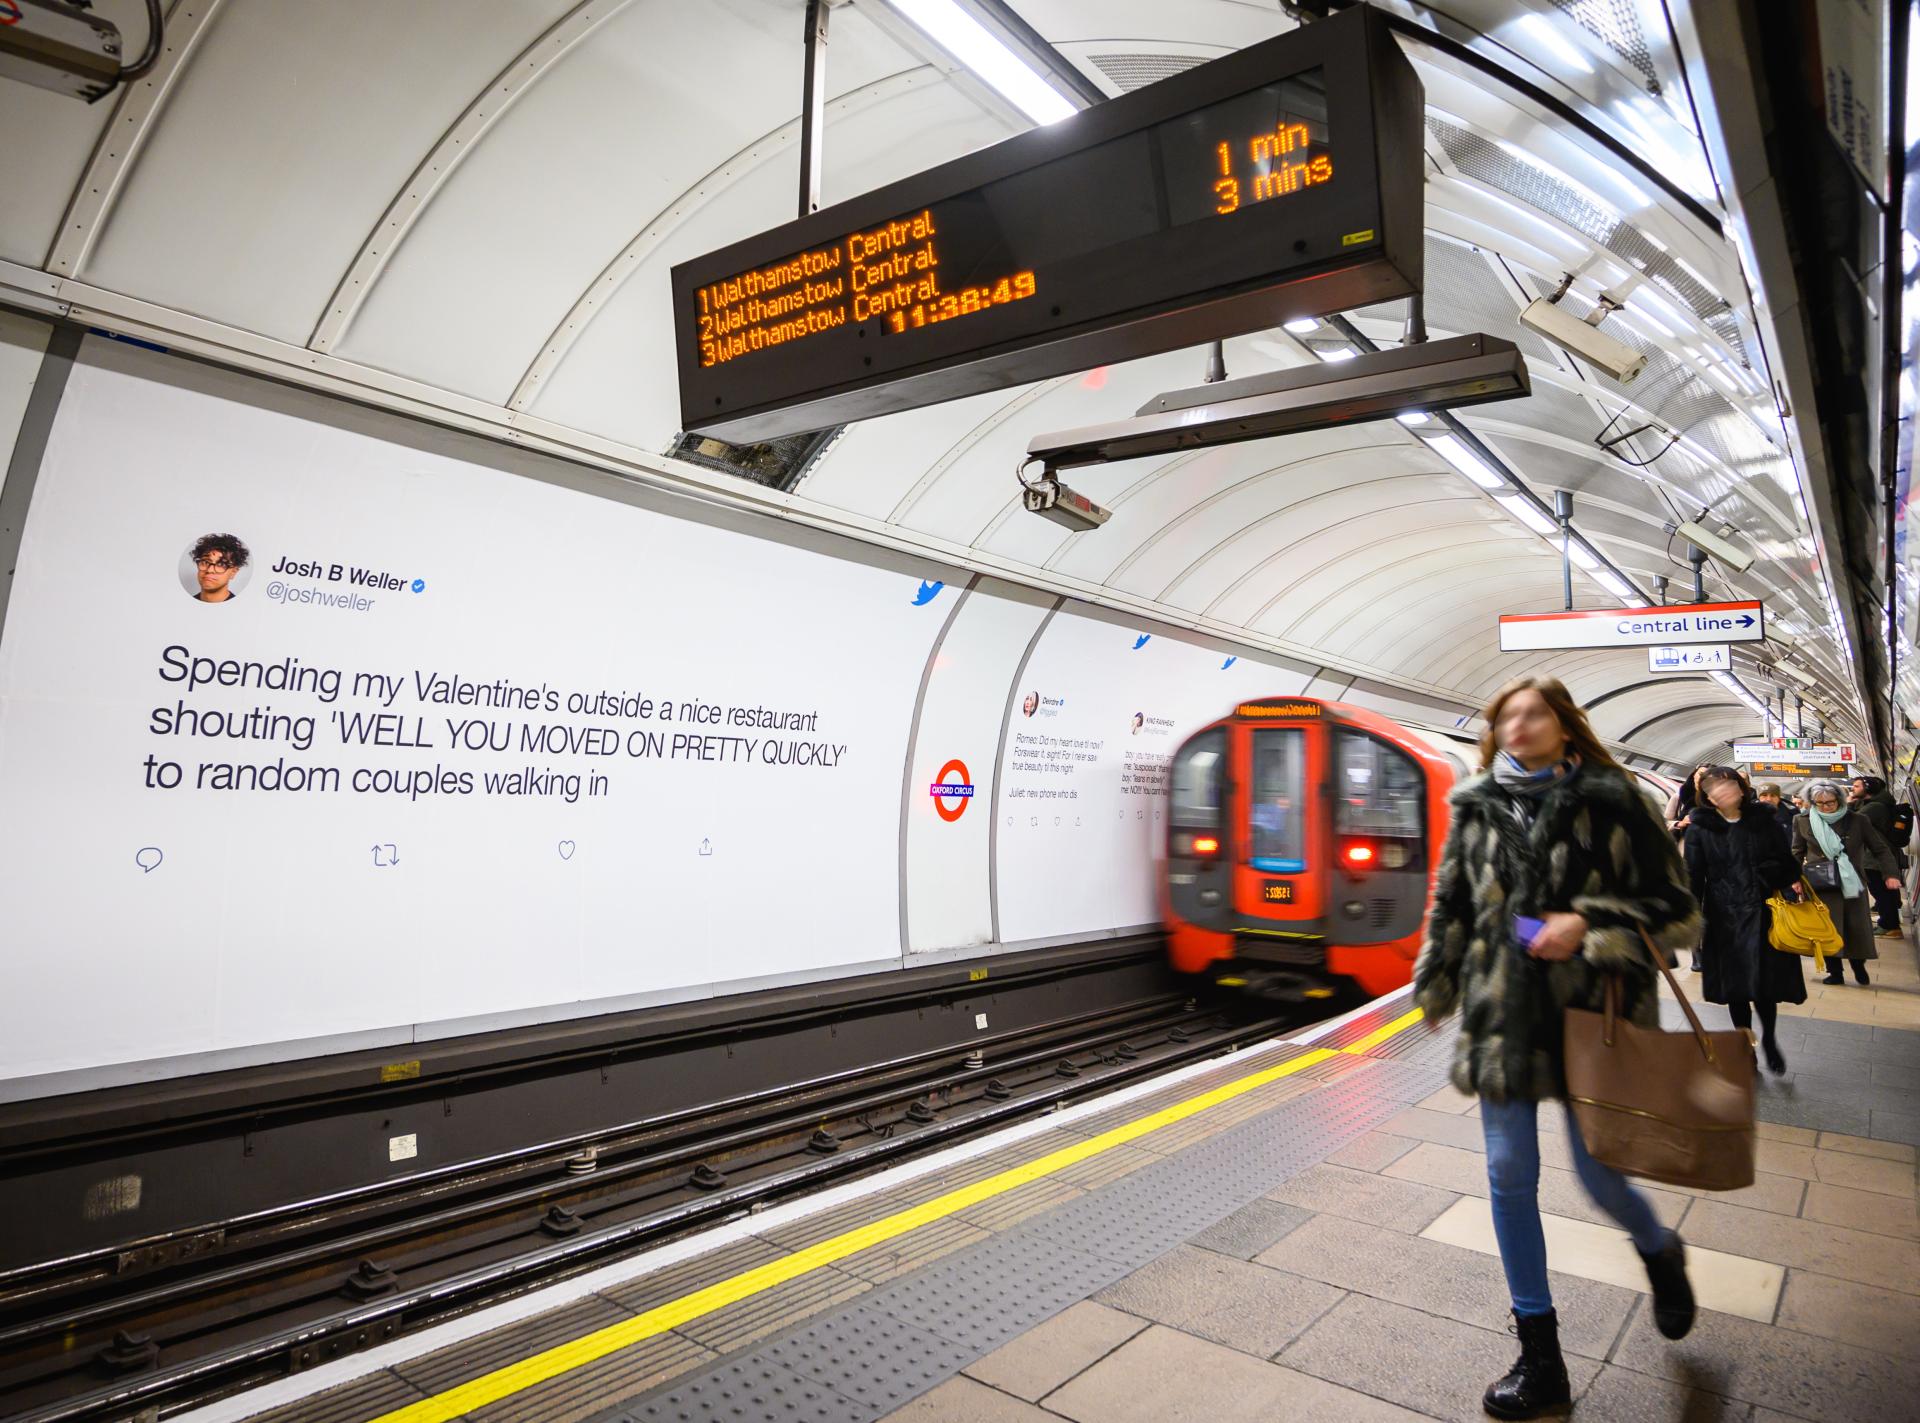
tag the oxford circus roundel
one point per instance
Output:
(958, 791)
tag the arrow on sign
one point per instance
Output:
(1747, 621)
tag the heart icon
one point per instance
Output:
(566, 849)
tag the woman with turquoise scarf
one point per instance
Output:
(1841, 854)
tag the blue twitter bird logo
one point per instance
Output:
(927, 593)
(1142, 640)
(1228, 663)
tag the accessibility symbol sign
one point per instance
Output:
(1700, 657)
(1679, 625)
(952, 790)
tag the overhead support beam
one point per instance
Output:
(813, 104)
(1001, 19)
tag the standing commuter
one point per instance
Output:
(1774, 802)
(1842, 854)
(1680, 808)
(1737, 855)
(1869, 795)
(1553, 866)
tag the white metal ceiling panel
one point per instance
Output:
(620, 378)
(284, 142)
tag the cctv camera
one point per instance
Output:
(1051, 499)
(1715, 547)
(1591, 345)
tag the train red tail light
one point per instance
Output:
(1359, 857)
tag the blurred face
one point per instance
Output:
(1857, 791)
(1527, 729)
(1770, 797)
(1826, 800)
(1725, 795)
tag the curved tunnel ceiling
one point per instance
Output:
(488, 200)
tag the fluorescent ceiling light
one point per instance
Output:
(1526, 514)
(1449, 448)
(1335, 353)
(1614, 584)
(1541, 32)
(1413, 417)
(968, 41)
(1301, 325)
(1581, 557)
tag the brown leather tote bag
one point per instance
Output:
(1672, 1107)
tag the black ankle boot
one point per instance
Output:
(1860, 971)
(1667, 1273)
(1538, 1379)
(1776, 1059)
(1834, 975)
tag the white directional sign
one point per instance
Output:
(1703, 657)
(1684, 624)
(1802, 749)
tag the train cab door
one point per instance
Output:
(1279, 889)
(1200, 850)
(1382, 843)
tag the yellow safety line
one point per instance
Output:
(550, 1363)
(1379, 1035)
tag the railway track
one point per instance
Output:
(311, 1281)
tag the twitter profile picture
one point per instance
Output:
(215, 568)
(1139, 720)
(1031, 704)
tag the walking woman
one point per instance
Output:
(1553, 865)
(1842, 854)
(1737, 855)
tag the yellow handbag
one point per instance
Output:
(1806, 928)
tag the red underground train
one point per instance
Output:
(1302, 840)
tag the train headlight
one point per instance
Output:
(1394, 857)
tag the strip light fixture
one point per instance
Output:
(967, 40)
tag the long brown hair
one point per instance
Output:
(1571, 716)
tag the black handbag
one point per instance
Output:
(1823, 874)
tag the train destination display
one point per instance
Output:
(1278, 182)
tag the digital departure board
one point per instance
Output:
(1277, 182)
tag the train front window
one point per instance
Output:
(1199, 772)
(1279, 800)
(1381, 794)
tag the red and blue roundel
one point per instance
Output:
(951, 790)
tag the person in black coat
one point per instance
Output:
(1737, 856)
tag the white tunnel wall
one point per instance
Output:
(277, 923)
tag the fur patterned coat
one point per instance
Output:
(1595, 848)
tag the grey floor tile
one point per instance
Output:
(1443, 1127)
(1232, 1302)
(1443, 1280)
(1164, 1376)
(1465, 1172)
(1805, 1245)
(1435, 1365)
(1251, 1229)
(1884, 1320)
(1046, 1356)
(873, 1358)
(920, 1246)
(1895, 1126)
(1373, 1152)
(1362, 1195)
(961, 1400)
(1622, 1396)
(748, 1387)
(1796, 1373)
(1866, 1146)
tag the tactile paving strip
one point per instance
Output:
(908, 1335)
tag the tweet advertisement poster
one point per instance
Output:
(314, 723)
(1083, 788)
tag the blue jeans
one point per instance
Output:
(1513, 1178)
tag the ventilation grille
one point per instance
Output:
(1136, 71)
(1380, 912)
(1615, 25)
(1490, 164)
(778, 464)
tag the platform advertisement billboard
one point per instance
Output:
(315, 725)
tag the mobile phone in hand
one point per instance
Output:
(1526, 930)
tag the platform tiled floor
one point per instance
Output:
(1351, 1276)
(1365, 1287)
